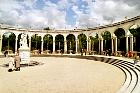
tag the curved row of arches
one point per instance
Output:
(8, 41)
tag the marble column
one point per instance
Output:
(1, 44)
(65, 45)
(126, 44)
(116, 46)
(112, 43)
(87, 44)
(93, 46)
(131, 43)
(101, 45)
(42, 42)
(30, 43)
(53, 44)
(16, 44)
(76, 45)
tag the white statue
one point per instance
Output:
(23, 40)
(24, 51)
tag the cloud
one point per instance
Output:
(86, 13)
(105, 11)
(23, 13)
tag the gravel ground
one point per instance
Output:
(61, 75)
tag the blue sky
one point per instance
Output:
(60, 14)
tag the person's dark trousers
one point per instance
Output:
(18, 69)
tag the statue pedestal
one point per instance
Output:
(24, 53)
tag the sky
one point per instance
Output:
(66, 14)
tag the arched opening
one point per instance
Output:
(36, 43)
(82, 42)
(107, 40)
(96, 43)
(136, 34)
(71, 47)
(48, 43)
(121, 40)
(59, 43)
(8, 42)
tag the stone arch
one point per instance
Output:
(36, 42)
(135, 31)
(8, 41)
(106, 40)
(71, 44)
(121, 40)
(59, 42)
(82, 42)
(48, 42)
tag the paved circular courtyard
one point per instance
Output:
(62, 75)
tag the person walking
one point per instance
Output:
(82, 52)
(11, 64)
(6, 53)
(17, 62)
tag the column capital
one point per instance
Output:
(113, 36)
(128, 34)
(76, 36)
(131, 36)
(100, 38)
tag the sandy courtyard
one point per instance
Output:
(62, 75)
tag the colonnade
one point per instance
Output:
(129, 43)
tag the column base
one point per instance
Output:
(1, 53)
(42, 53)
(53, 52)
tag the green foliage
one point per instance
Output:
(46, 28)
(106, 35)
(82, 41)
(107, 40)
(48, 39)
(59, 42)
(71, 42)
(48, 42)
(120, 33)
(135, 32)
(96, 36)
(8, 42)
(36, 42)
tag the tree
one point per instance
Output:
(82, 41)
(48, 42)
(36, 42)
(59, 42)
(96, 43)
(107, 40)
(120, 33)
(8, 41)
(70, 42)
(136, 34)
(46, 28)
